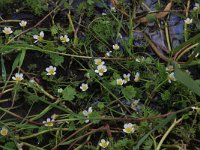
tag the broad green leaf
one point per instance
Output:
(186, 80)
(56, 59)
(69, 93)
(95, 117)
(54, 30)
(61, 48)
(129, 92)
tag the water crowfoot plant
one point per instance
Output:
(86, 113)
(18, 77)
(115, 47)
(84, 87)
(98, 74)
(49, 122)
(137, 77)
(129, 128)
(4, 131)
(39, 37)
(103, 143)
(64, 39)
(7, 30)
(101, 69)
(51, 70)
(23, 23)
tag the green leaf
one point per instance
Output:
(61, 48)
(54, 30)
(10, 145)
(129, 92)
(151, 18)
(192, 40)
(94, 117)
(49, 46)
(69, 93)
(22, 56)
(186, 80)
(3, 69)
(100, 105)
(56, 59)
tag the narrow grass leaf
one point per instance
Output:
(159, 126)
(3, 69)
(186, 80)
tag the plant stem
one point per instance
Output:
(167, 133)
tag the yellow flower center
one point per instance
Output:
(84, 87)
(7, 31)
(49, 124)
(18, 78)
(120, 82)
(104, 144)
(98, 62)
(40, 38)
(129, 129)
(63, 39)
(170, 78)
(101, 70)
(51, 71)
(4, 132)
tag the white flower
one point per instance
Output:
(196, 108)
(32, 81)
(188, 72)
(99, 62)
(49, 122)
(120, 35)
(101, 69)
(196, 6)
(7, 30)
(196, 55)
(140, 59)
(104, 143)
(20, 146)
(4, 131)
(86, 113)
(84, 87)
(115, 47)
(120, 81)
(60, 90)
(126, 77)
(39, 37)
(188, 21)
(23, 23)
(171, 77)
(113, 9)
(51, 70)
(128, 128)
(18, 77)
(108, 53)
(103, 14)
(193, 108)
(54, 116)
(137, 77)
(169, 68)
(64, 39)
